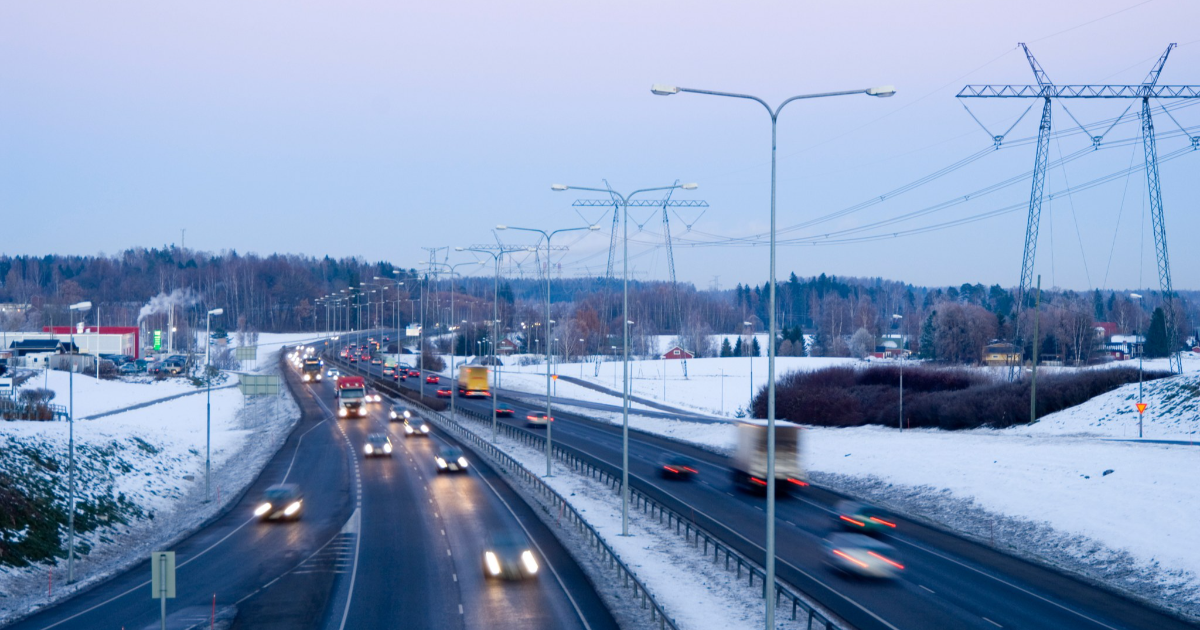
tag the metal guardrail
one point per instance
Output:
(694, 534)
(595, 541)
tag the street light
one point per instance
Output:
(666, 90)
(82, 307)
(1141, 354)
(548, 235)
(208, 412)
(901, 357)
(625, 331)
(453, 376)
(750, 353)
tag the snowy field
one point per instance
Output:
(148, 461)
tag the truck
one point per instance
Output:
(750, 459)
(473, 381)
(311, 370)
(351, 393)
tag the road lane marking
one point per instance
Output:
(992, 622)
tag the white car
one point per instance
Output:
(858, 554)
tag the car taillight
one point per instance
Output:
(852, 521)
(883, 522)
(798, 482)
(887, 560)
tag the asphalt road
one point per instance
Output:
(948, 581)
(411, 557)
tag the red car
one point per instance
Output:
(443, 392)
(432, 378)
(414, 373)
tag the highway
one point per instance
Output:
(948, 581)
(411, 557)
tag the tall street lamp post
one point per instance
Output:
(1141, 353)
(896, 316)
(667, 90)
(82, 307)
(548, 236)
(453, 348)
(624, 199)
(749, 348)
(208, 411)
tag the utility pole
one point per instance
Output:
(1037, 315)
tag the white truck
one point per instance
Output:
(750, 459)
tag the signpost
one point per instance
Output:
(1141, 407)
(162, 579)
(246, 353)
(258, 384)
(6, 386)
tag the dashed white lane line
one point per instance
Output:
(992, 622)
(926, 588)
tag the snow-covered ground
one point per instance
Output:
(144, 467)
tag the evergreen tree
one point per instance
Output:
(1157, 344)
(1098, 306)
(726, 349)
(927, 336)
(738, 350)
(755, 351)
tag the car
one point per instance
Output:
(443, 392)
(504, 412)
(128, 368)
(450, 459)
(677, 467)
(376, 361)
(508, 555)
(414, 373)
(353, 359)
(416, 426)
(378, 445)
(388, 370)
(333, 373)
(281, 502)
(432, 378)
(399, 375)
(387, 338)
(155, 368)
(401, 413)
(861, 555)
(538, 419)
(860, 517)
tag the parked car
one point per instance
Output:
(129, 368)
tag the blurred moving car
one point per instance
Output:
(432, 378)
(538, 419)
(508, 555)
(400, 412)
(333, 373)
(414, 373)
(376, 361)
(378, 445)
(450, 459)
(443, 392)
(861, 555)
(389, 370)
(859, 517)
(280, 502)
(504, 412)
(373, 395)
(416, 426)
(677, 467)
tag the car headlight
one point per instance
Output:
(407, 414)
(493, 565)
(531, 565)
(362, 411)
(408, 429)
(392, 415)
(441, 462)
(369, 449)
(387, 448)
(424, 428)
(307, 377)
(462, 461)
(342, 412)
(292, 509)
(318, 377)
(262, 509)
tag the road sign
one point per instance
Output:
(162, 574)
(6, 386)
(1141, 407)
(246, 353)
(258, 384)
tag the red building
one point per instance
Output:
(677, 353)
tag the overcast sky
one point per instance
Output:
(378, 128)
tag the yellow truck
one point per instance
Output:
(473, 381)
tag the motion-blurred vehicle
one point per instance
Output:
(450, 459)
(376, 361)
(281, 502)
(861, 555)
(443, 392)
(378, 445)
(677, 467)
(417, 426)
(473, 381)
(401, 413)
(414, 373)
(508, 555)
(351, 396)
(859, 517)
(504, 412)
(432, 378)
(750, 459)
(333, 373)
(388, 370)
(311, 370)
(538, 419)
(373, 395)
(353, 359)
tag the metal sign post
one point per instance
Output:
(162, 579)
(6, 386)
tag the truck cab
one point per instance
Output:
(351, 394)
(311, 370)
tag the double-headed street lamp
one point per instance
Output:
(495, 319)
(667, 90)
(453, 376)
(82, 307)
(208, 412)
(625, 332)
(548, 236)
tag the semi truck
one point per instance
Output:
(473, 381)
(311, 370)
(750, 459)
(351, 396)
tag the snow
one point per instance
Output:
(93, 397)
(152, 456)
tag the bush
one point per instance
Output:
(945, 398)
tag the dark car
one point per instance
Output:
(677, 467)
(281, 502)
(416, 425)
(378, 445)
(450, 459)
(400, 413)
(860, 517)
(128, 368)
(504, 412)
(508, 555)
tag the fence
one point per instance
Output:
(585, 464)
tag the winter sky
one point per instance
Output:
(377, 128)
